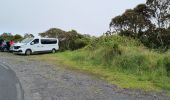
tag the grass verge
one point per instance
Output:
(120, 61)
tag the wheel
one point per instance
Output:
(53, 51)
(28, 52)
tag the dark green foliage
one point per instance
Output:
(134, 21)
(17, 37)
(70, 40)
(133, 63)
(28, 35)
(6, 36)
(127, 55)
(134, 58)
(148, 22)
(167, 65)
(9, 37)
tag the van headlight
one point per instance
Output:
(17, 47)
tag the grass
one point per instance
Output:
(121, 61)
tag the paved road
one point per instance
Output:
(10, 87)
(42, 80)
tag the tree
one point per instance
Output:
(161, 9)
(6, 36)
(150, 21)
(70, 40)
(133, 22)
(53, 33)
(117, 23)
(160, 18)
(28, 35)
(17, 37)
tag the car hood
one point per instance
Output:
(19, 44)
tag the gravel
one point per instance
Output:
(45, 81)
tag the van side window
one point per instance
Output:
(36, 41)
(48, 41)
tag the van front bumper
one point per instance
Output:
(18, 51)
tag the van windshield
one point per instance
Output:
(27, 40)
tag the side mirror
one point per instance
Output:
(32, 43)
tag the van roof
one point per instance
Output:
(44, 38)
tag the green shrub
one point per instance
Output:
(125, 56)
(167, 65)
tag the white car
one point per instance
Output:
(36, 45)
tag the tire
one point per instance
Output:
(28, 52)
(53, 51)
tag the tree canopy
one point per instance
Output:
(9, 37)
(70, 40)
(149, 21)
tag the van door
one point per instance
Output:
(44, 45)
(35, 45)
(48, 44)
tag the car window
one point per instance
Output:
(27, 40)
(36, 41)
(48, 41)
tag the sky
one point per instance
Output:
(86, 16)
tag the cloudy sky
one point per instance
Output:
(85, 16)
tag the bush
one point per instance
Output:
(125, 61)
(167, 65)
(127, 55)
(70, 40)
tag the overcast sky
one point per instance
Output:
(85, 16)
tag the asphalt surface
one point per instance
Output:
(10, 87)
(42, 80)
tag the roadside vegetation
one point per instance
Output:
(122, 61)
(134, 53)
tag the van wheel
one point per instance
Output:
(53, 51)
(28, 52)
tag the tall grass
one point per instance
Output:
(123, 61)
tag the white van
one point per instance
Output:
(36, 45)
